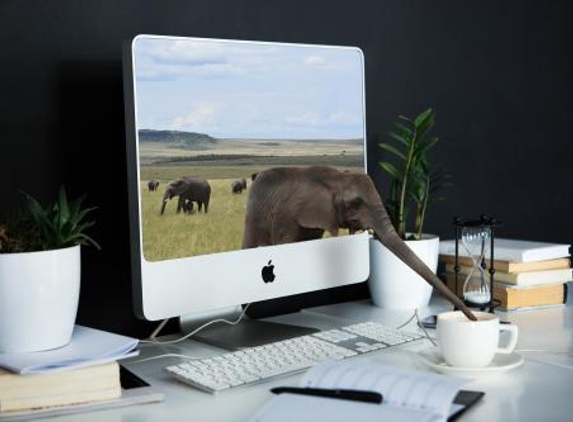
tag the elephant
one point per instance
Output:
(189, 190)
(292, 204)
(187, 206)
(152, 185)
(238, 186)
(253, 176)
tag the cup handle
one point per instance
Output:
(512, 340)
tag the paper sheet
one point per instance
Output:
(401, 388)
(87, 347)
(291, 407)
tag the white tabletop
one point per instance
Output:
(540, 390)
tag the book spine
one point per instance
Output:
(19, 403)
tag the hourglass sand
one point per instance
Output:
(477, 239)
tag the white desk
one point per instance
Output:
(537, 391)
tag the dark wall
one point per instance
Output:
(499, 73)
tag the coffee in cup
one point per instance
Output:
(472, 344)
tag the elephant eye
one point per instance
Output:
(355, 202)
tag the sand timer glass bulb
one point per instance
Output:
(476, 242)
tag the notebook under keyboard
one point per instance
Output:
(260, 363)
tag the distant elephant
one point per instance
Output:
(189, 190)
(152, 185)
(301, 203)
(253, 176)
(238, 186)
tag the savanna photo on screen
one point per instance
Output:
(245, 145)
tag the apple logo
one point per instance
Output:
(267, 272)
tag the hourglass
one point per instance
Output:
(475, 242)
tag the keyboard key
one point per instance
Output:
(234, 369)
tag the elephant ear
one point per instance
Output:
(318, 212)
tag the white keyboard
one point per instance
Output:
(260, 363)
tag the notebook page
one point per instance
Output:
(292, 407)
(399, 387)
(88, 346)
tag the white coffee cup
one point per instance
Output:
(472, 344)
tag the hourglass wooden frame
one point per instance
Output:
(484, 222)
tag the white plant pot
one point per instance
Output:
(39, 294)
(394, 285)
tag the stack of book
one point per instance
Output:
(527, 274)
(77, 386)
(83, 372)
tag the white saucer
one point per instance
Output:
(500, 363)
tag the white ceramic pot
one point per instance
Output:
(393, 285)
(39, 294)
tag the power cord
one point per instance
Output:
(419, 323)
(153, 340)
(167, 355)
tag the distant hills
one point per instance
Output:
(177, 139)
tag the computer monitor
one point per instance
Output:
(207, 120)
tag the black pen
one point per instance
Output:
(355, 395)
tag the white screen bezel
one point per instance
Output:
(185, 285)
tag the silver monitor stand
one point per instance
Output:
(248, 333)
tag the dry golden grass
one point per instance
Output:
(173, 235)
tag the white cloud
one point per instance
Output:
(203, 115)
(314, 60)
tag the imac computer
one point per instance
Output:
(210, 124)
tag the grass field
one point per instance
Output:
(174, 235)
(154, 152)
(181, 235)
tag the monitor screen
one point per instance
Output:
(223, 138)
(211, 115)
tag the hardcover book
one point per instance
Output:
(514, 250)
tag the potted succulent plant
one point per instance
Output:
(413, 186)
(40, 274)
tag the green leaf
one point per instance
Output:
(59, 225)
(423, 147)
(403, 140)
(424, 116)
(424, 122)
(90, 240)
(64, 210)
(390, 169)
(403, 131)
(389, 148)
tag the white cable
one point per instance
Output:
(419, 323)
(424, 329)
(155, 332)
(192, 333)
(399, 327)
(167, 355)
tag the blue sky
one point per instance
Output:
(248, 90)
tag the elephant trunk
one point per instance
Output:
(164, 203)
(387, 235)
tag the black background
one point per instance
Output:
(499, 72)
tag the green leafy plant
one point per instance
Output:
(414, 181)
(60, 225)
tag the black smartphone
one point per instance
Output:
(429, 322)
